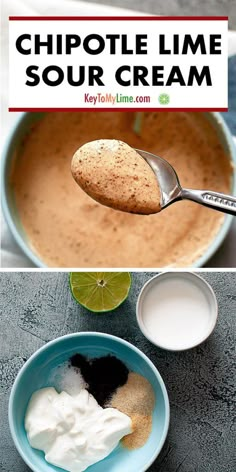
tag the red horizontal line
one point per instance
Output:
(114, 109)
(118, 18)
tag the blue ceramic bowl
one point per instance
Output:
(36, 373)
(11, 152)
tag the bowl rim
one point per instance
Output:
(87, 334)
(33, 257)
(187, 274)
(26, 249)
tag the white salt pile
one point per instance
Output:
(65, 378)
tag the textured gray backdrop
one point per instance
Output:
(37, 307)
(179, 7)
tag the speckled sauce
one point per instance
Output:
(66, 228)
(115, 175)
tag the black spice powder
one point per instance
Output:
(103, 375)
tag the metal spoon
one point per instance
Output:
(171, 190)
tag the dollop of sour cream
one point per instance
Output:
(73, 431)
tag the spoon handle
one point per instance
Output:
(217, 201)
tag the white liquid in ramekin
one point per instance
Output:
(176, 313)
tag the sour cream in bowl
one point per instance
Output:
(40, 415)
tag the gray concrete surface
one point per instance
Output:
(179, 7)
(37, 307)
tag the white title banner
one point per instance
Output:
(118, 63)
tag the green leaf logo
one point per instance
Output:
(164, 99)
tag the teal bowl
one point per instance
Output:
(12, 150)
(35, 374)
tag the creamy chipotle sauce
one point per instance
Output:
(66, 228)
(115, 175)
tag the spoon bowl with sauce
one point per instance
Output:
(116, 175)
(135, 181)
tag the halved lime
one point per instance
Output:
(100, 291)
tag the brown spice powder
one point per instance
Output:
(137, 400)
(142, 427)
